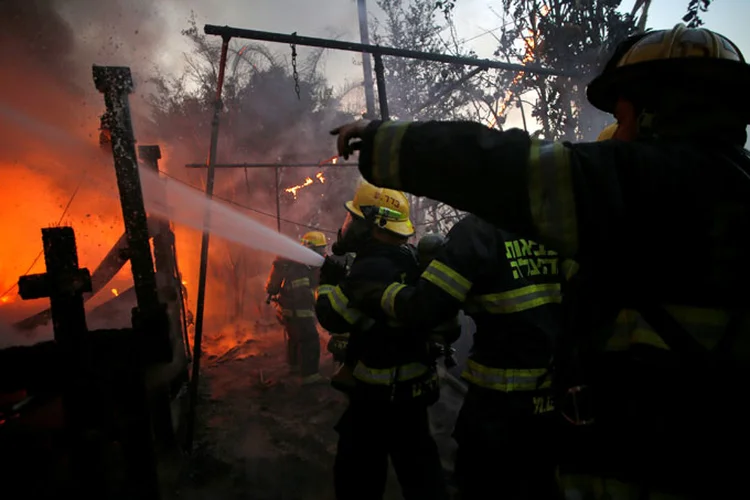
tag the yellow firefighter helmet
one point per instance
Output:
(392, 208)
(608, 132)
(314, 239)
(654, 61)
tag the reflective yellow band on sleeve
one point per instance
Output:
(386, 153)
(304, 313)
(389, 376)
(705, 325)
(553, 207)
(301, 282)
(447, 280)
(340, 304)
(520, 299)
(287, 313)
(388, 299)
(506, 379)
(323, 290)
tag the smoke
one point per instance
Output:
(47, 48)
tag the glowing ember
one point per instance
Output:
(308, 181)
(296, 188)
(335, 160)
(115, 292)
(4, 299)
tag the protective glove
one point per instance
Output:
(332, 272)
(365, 295)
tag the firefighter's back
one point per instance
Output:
(391, 363)
(673, 282)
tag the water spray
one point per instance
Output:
(186, 205)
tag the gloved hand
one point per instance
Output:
(365, 295)
(332, 272)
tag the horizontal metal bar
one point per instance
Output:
(269, 165)
(267, 36)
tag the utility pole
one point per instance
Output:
(364, 35)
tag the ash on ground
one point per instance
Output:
(262, 436)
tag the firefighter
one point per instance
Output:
(292, 286)
(510, 286)
(656, 221)
(394, 375)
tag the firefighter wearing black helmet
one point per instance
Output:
(657, 221)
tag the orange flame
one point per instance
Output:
(115, 292)
(295, 189)
(530, 41)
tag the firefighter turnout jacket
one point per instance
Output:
(510, 286)
(657, 226)
(295, 285)
(388, 363)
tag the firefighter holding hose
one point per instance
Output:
(658, 223)
(292, 286)
(393, 373)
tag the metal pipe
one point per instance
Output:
(325, 43)
(380, 80)
(270, 165)
(200, 302)
(278, 201)
(364, 36)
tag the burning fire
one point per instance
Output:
(309, 180)
(531, 41)
(115, 292)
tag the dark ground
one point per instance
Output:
(262, 436)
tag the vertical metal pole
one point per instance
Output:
(364, 35)
(199, 308)
(380, 78)
(278, 201)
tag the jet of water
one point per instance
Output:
(186, 205)
(178, 202)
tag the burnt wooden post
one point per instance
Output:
(65, 283)
(169, 289)
(150, 318)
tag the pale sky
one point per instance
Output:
(338, 18)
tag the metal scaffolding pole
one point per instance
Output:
(199, 308)
(325, 43)
(364, 36)
(278, 201)
(382, 94)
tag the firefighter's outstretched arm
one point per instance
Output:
(518, 184)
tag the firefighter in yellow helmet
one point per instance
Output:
(394, 373)
(657, 222)
(292, 286)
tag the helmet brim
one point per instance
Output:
(654, 77)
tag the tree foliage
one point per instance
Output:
(263, 121)
(692, 17)
(423, 90)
